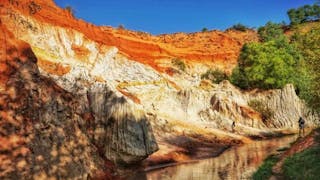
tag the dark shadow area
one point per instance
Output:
(39, 131)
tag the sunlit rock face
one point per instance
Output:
(120, 129)
(287, 108)
(48, 132)
(228, 102)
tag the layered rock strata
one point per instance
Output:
(48, 132)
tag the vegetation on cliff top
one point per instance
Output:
(215, 76)
(279, 59)
(268, 65)
(304, 14)
(271, 31)
(204, 29)
(70, 10)
(239, 27)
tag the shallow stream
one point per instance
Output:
(235, 163)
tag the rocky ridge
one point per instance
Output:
(211, 48)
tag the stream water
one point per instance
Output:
(235, 163)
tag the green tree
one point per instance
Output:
(268, 65)
(271, 31)
(310, 49)
(304, 14)
(292, 16)
(317, 10)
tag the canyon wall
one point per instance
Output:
(90, 94)
(47, 132)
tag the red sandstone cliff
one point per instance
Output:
(209, 48)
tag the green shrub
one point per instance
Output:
(121, 27)
(260, 107)
(265, 170)
(70, 10)
(239, 27)
(216, 76)
(204, 30)
(179, 64)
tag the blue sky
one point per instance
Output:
(169, 16)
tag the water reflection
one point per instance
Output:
(235, 163)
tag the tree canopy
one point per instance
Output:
(304, 14)
(310, 49)
(267, 65)
(271, 31)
